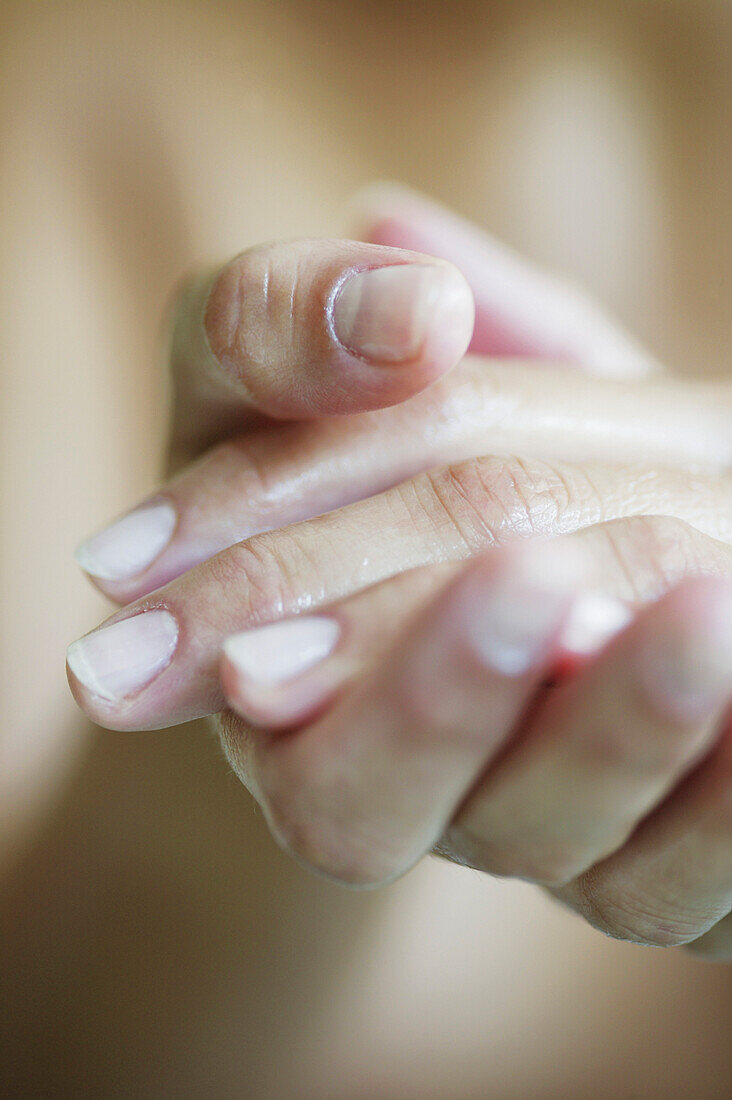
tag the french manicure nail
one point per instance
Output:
(120, 659)
(384, 314)
(514, 617)
(281, 651)
(129, 545)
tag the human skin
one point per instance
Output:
(323, 797)
(159, 940)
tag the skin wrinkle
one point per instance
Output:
(414, 502)
(531, 496)
(634, 921)
(465, 516)
(246, 342)
(303, 553)
(547, 499)
(264, 595)
(454, 485)
(289, 561)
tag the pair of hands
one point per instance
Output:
(554, 707)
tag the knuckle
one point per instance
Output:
(253, 315)
(489, 499)
(472, 495)
(256, 572)
(247, 285)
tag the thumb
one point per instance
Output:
(313, 328)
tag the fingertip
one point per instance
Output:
(117, 558)
(278, 675)
(452, 320)
(415, 317)
(256, 707)
(313, 328)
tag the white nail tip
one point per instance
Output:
(509, 628)
(128, 546)
(281, 651)
(593, 620)
(120, 659)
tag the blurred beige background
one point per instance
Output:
(155, 942)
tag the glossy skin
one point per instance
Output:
(169, 805)
(615, 749)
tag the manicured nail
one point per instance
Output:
(129, 545)
(685, 668)
(594, 619)
(281, 651)
(513, 616)
(385, 314)
(120, 659)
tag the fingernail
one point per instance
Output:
(280, 651)
(129, 545)
(385, 314)
(120, 659)
(593, 620)
(514, 615)
(687, 672)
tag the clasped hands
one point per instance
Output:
(478, 604)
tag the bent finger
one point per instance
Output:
(365, 792)
(604, 749)
(312, 328)
(672, 882)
